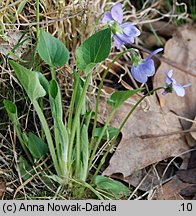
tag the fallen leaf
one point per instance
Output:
(149, 136)
(170, 190)
(192, 159)
(184, 181)
(188, 176)
(180, 49)
(148, 178)
(193, 129)
(189, 191)
(9, 42)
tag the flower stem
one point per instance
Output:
(100, 138)
(99, 93)
(120, 128)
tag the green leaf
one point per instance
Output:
(112, 188)
(52, 50)
(60, 131)
(55, 99)
(10, 107)
(37, 146)
(118, 97)
(54, 89)
(43, 81)
(94, 50)
(79, 93)
(84, 152)
(12, 111)
(29, 80)
(109, 133)
(26, 170)
(88, 116)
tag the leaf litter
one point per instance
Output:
(157, 132)
(9, 42)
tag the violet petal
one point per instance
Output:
(107, 17)
(130, 30)
(154, 53)
(187, 85)
(126, 39)
(148, 67)
(178, 89)
(138, 74)
(117, 13)
(170, 73)
(168, 78)
(117, 42)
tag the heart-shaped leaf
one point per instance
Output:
(37, 146)
(26, 170)
(29, 80)
(94, 50)
(108, 134)
(55, 99)
(52, 50)
(11, 110)
(43, 81)
(113, 188)
(118, 97)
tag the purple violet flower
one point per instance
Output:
(144, 68)
(123, 33)
(171, 85)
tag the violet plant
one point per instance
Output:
(171, 85)
(70, 145)
(143, 68)
(123, 33)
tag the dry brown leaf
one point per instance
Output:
(148, 137)
(171, 190)
(188, 176)
(180, 49)
(190, 191)
(152, 135)
(148, 178)
(193, 127)
(184, 183)
(10, 41)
